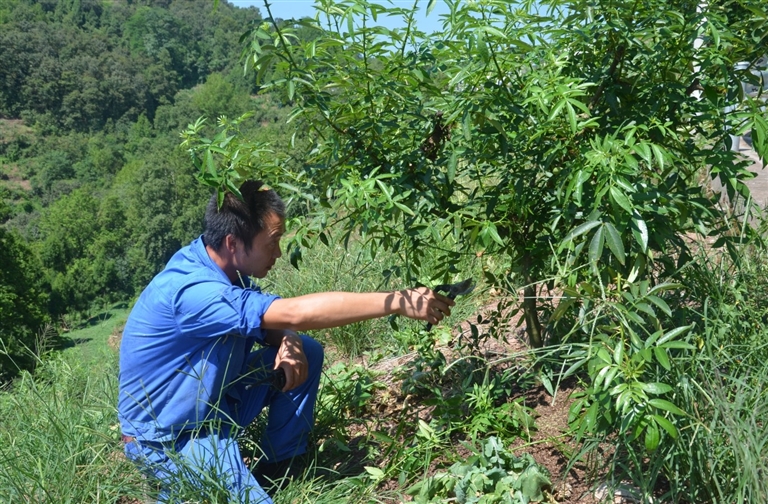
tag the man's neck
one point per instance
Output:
(222, 262)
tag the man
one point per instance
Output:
(190, 378)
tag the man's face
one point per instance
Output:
(265, 249)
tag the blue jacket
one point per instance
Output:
(185, 343)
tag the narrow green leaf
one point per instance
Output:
(430, 6)
(493, 31)
(645, 152)
(291, 89)
(403, 208)
(209, 163)
(452, 166)
(664, 286)
(715, 33)
(613, 239)
(656, 388)
(596, 245)
(674, 333)
(571, 117)
(639, 231)
(466, 126)
(556, 109)
(621, 199)
(652, 437)
(679, 345)
(662, 357)
(665, 405)
(666, 425)
(495, 233)
(658, 153)
(581, 229)
(660, 303)
(618, 352)
(590, 419)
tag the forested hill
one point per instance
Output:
(76, 64)
(95, 194)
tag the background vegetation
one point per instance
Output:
(560, 152)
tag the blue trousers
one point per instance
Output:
(210, 459)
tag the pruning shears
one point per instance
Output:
(275, 379)
(452, 291)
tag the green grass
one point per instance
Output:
(90, 338)
(60, 440)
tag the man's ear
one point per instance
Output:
(230, 243)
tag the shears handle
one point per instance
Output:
(451, 296)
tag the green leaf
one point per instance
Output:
(209, 163)
(644, 151)
(665, 405)
(596, 245)
(493, 31)
(495, 233)
(572, 117)
(621, 199)
(581, 229)
(656, 388)
(556, 109)
(652, 437)
(375, 472)
(403, 208)
(618, 352)
(679, 345)
(658, 153)
(452, 165)
(613, 239)
(674, 333)
(666, 425)
(660, 303)
(662, 357)
(640, 232)
(291, 89)
(466, 126)
(430, 6)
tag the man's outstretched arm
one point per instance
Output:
(324, 310)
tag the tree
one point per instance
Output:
(570, 143)
(562, 137)
(23, 302)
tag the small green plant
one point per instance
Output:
(485, 415)
(348, 388)
(491, 475)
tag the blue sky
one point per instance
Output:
(300, 8)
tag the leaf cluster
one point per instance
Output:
(491, 475)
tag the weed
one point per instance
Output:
(491, 475)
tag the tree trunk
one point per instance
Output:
(530, 311)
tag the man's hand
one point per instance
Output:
(423, 303)
(290, 357)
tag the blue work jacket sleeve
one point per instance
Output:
(211, 309)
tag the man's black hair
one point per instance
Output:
(244, 218)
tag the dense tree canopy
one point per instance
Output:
(77, 65)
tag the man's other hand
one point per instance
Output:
(290, 357)
(422, 303)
